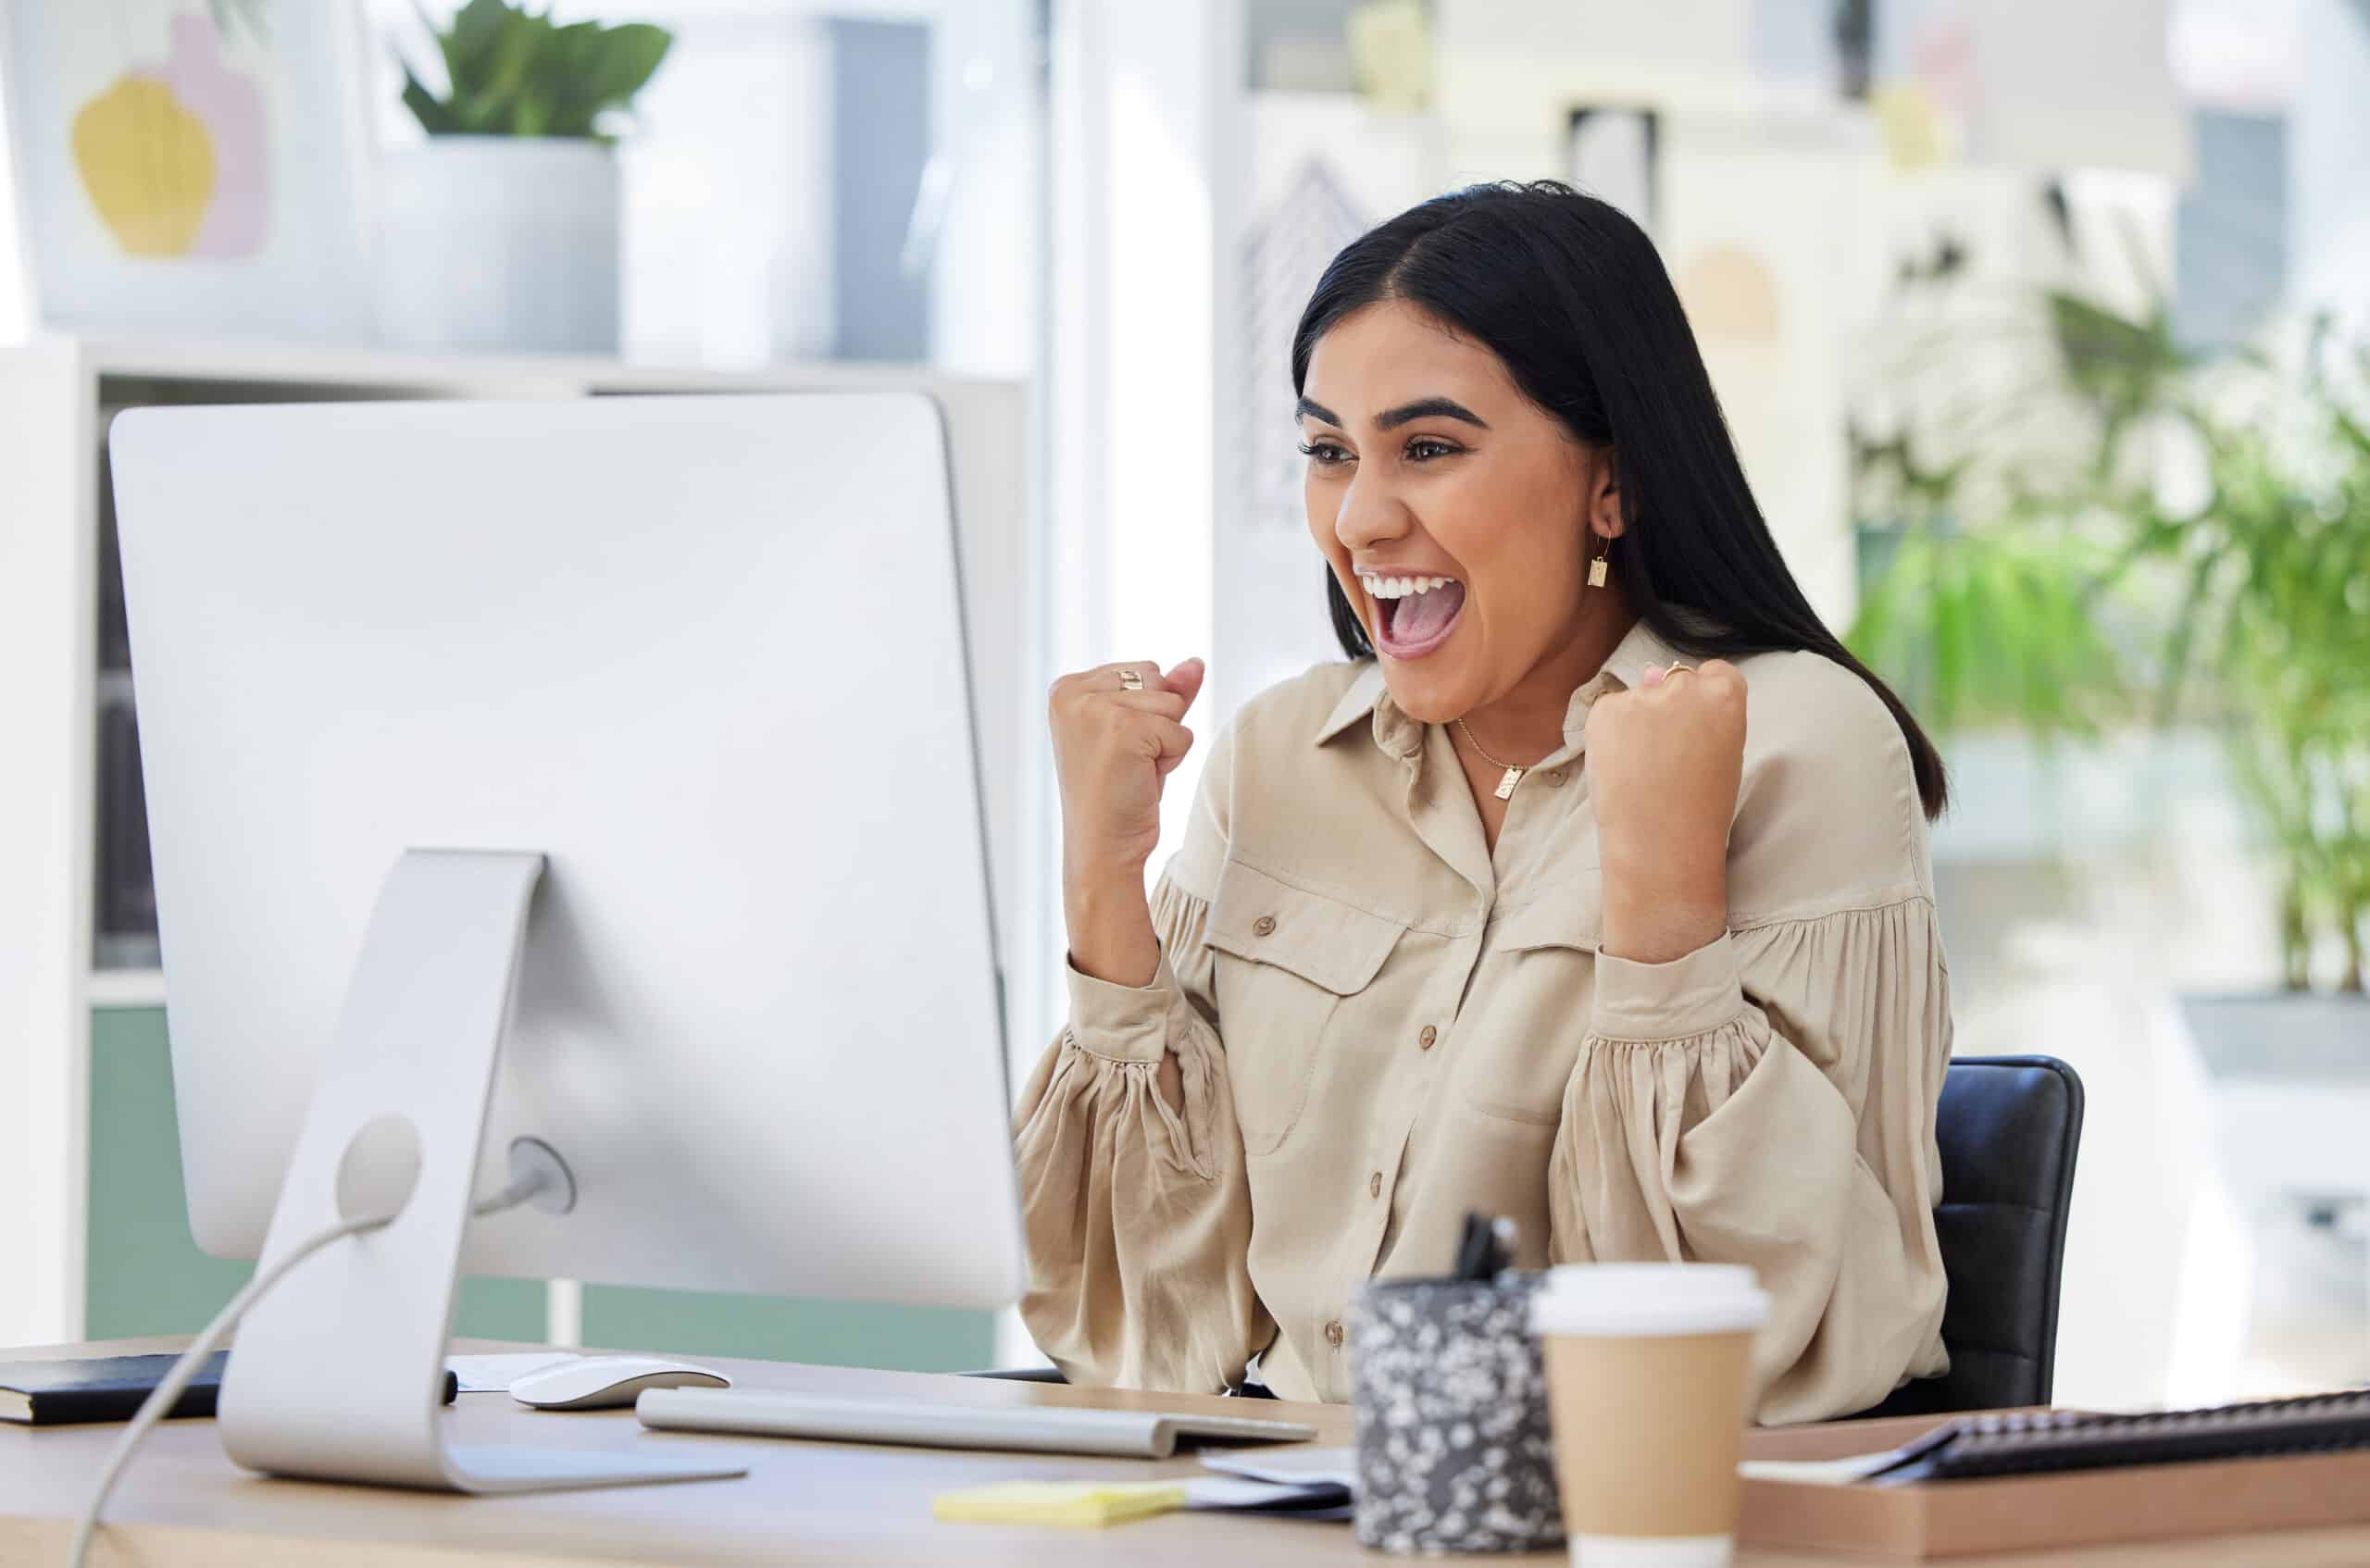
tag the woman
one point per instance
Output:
(1593, 890)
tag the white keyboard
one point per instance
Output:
(1123, 1434)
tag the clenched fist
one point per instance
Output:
(1112, 750)
(1665, 761)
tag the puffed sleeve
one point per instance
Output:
(1139, 1216)
(1768, 1100)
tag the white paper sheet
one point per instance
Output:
(1817, 1472)
(1339, 1466)
(1290, 1466)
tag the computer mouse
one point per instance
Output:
(610, 1382)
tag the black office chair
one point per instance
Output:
(2008, 1128)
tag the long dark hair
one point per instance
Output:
(1569, 294)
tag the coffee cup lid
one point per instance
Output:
(1649, 1299)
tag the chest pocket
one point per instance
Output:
(1287, 958)
(1543, 964)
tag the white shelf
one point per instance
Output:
(447, 375)
(126, 987)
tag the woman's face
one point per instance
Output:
(1426, 462)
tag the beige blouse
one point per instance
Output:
(1382, 1025)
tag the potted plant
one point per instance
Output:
(2085, 599)
(2082, 594)
(2276, 617)
(501, 230)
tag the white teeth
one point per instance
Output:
(1400, 586)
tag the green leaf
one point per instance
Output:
(515, 72)
(626, 60)
(2186, 622)
(476, 33)
(434, 116)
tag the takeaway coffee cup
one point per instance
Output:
(1649, 1366)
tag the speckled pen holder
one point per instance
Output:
(1454, 1448)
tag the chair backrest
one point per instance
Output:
(2008, 1127)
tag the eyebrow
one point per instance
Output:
(1406, 413)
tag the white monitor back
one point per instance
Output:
(707, 655)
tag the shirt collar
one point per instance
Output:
(1401, 736)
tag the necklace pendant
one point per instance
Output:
(1506, 785)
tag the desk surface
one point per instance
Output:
(183, 1504)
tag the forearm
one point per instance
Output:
(1109, 919)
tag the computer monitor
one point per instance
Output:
(600, 773)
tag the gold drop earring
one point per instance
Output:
(1598, 568)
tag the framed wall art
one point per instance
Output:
(188, 169)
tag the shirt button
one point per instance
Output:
(1555, 777)
(1428, 1037)
(1333, 1335)
(1262, 926)
(1374, 1185)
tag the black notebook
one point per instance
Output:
(2045, 1442)
(55, 1393)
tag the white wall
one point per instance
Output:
(1140, 104)
(14, 316)
(1776, 302)
(1141, 98)
(2329, 158)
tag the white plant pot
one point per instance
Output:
(500, 243)
(2287, 1085)
(2290, 1079)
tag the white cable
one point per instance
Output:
(521, 1187)
(167, 1393)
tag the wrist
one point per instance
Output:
(1658, 916)
(1101, 883)
(1659, 936)
(1110, 925)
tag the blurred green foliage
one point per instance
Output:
(2084, 602)
(515, 72)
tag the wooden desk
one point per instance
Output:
(183, 1505)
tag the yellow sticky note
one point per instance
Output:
(1059, 1503)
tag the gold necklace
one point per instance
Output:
(1506, 791)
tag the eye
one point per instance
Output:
(1323, 453)
(1423, 449)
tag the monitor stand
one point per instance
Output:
(340, 1369)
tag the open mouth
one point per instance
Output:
(1412, 616)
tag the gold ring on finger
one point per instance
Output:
(1131, 680)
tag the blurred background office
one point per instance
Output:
(2044, 326)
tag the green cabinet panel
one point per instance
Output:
(774, 1328)
(144, 1274)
